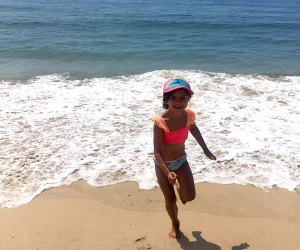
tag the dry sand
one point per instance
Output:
(121, 216)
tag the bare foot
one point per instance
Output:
(175, 231)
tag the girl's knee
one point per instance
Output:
(192, 197)
(189, 197)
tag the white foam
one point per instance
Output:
(54, 131)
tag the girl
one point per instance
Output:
(170, 132)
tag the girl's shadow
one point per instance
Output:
(198, 244)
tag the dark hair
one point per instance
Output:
(167, 96)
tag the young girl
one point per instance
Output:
(170, 133)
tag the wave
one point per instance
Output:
(55, 130)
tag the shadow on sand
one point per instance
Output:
(199, 243)
(243, 246)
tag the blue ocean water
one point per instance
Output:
(121, 37)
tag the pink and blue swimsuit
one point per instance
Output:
(174, 137)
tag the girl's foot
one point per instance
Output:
(175, 231)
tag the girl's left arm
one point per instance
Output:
(196, 133)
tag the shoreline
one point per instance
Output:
(121, 216)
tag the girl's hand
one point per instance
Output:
(172, 178)
(209, 155)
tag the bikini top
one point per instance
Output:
(176, 136)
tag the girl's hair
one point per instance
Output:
(167, 96)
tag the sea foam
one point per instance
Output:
(55, 130)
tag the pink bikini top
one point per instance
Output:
(176, 136)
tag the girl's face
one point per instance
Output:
(178, 100)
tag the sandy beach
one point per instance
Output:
(121, 216)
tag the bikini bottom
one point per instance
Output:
(176, 164)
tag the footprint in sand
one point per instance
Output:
(141, 244)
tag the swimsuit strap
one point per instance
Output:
(190, 116)
(160, 122)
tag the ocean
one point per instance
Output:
(81, 80)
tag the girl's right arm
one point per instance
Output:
(158, 141)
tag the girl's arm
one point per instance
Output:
(158, 132)
(196, 133)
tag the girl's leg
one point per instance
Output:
(186, 189)
(170, 199)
